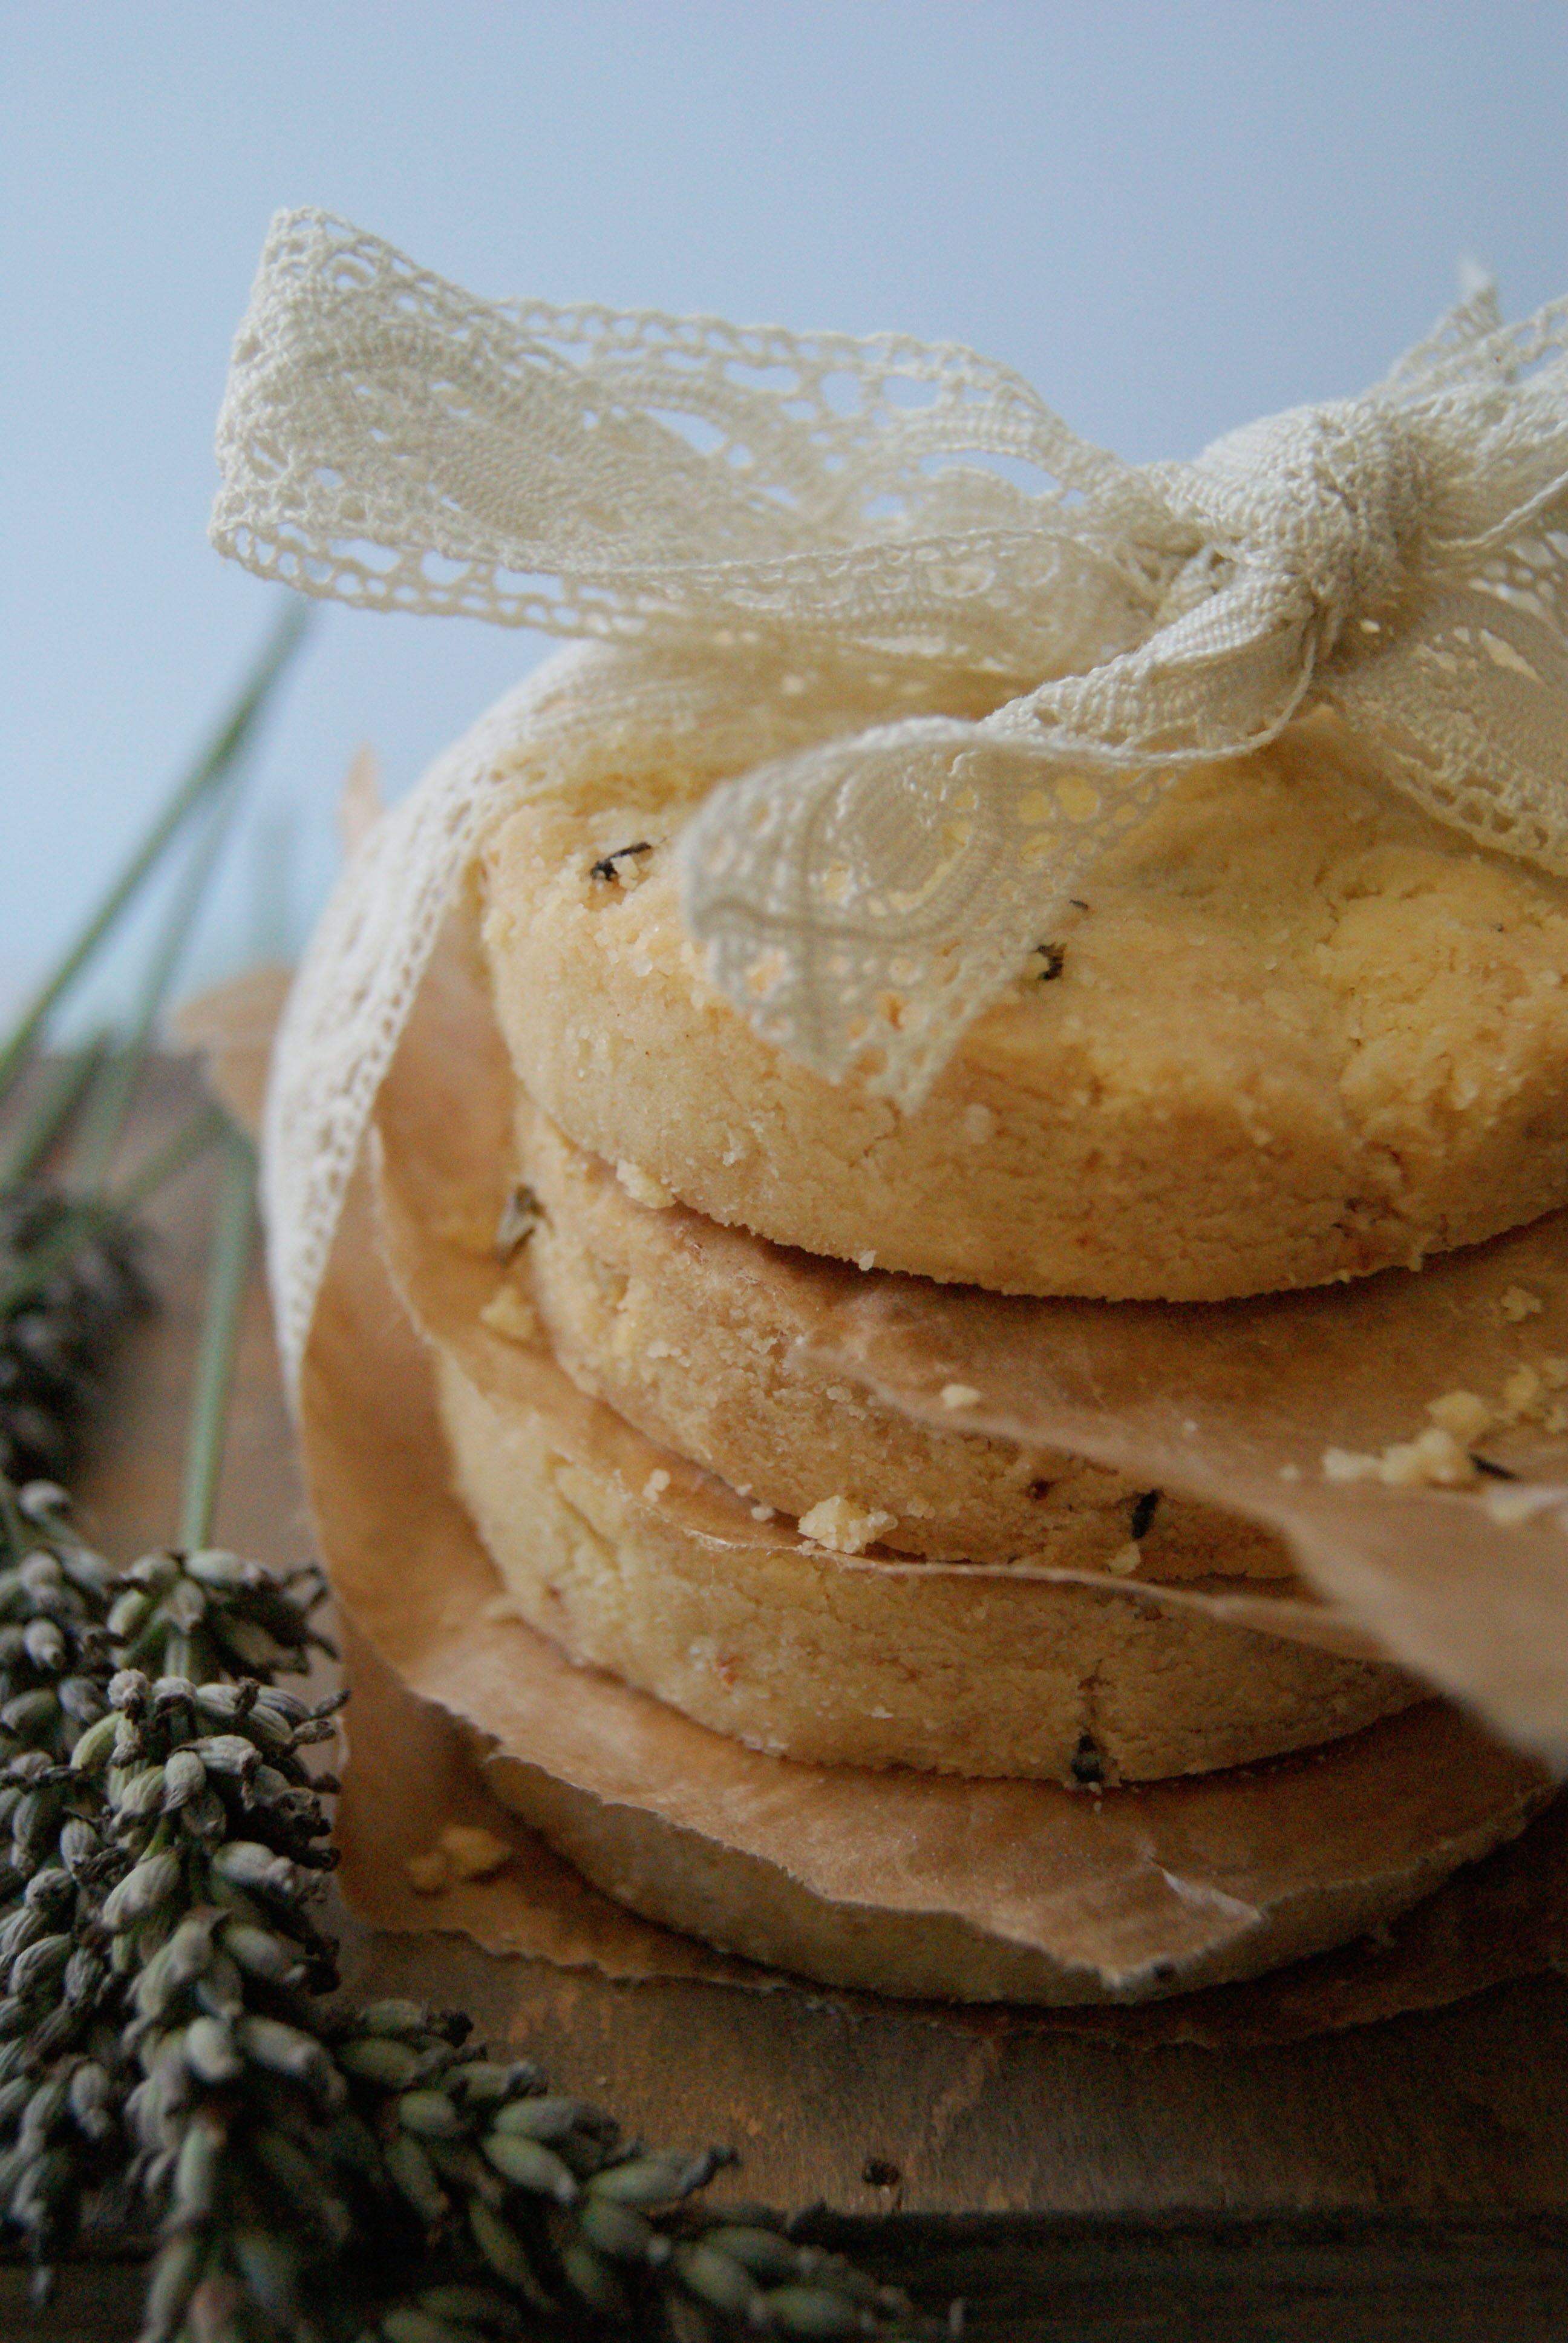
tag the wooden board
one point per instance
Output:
(1405, 2179)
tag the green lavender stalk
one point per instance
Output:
(212, 767)
(70, 1267)
(61, 1096)
(109, 1101)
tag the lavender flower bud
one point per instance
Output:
(244, 1864)
(96, 1747)
(183, 1775)
(80, 1698)
(129, 1614)
(39, 1963)
(262, 1955)
(85, 1977)
(211, 2052)
(44, 1644)
(213, 1567)
(143, 1794)
(89, 2098)
(140, 1891)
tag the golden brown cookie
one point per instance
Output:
(699, 1335)
(1196, 1883)
(632, 1561)
(1295, 1031)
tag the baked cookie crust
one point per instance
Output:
(798, 1652)
(1295, 1031)
(699, 1334)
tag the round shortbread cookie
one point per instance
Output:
(800, 1652)
(1241, 1872)
(1296, 1031)
(697, 1334)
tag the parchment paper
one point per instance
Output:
(1232, 1402)
(1153, 1876)
(374, 1458)
(1132, 1893)
(411, 1772)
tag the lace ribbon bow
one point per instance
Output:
(842, 523)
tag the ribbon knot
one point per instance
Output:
(916, 698)
(1332, 497)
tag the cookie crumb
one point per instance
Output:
(1464, 1413)
(1349, 1465)
(1433, 1459)
(1123, 1564)
(654, 1487)
(844, 1527)
(508, 1313)
(762, 1512)
(643, 1189)
(957, 1395)
(1520, 1302)
(473, 1852)
(865, 1261)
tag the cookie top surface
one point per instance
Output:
(1294, 1032)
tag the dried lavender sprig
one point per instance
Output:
(287, 2145)
(57, 2038)
(333, 2173)
(412, 2190)
(161, 1955)
(64, 2071)
(71, 1283)
(168, 1871)
(518, 2188)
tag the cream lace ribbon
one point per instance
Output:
(927, 696)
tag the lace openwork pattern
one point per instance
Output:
(921, 652)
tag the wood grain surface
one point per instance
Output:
(1409, 2179)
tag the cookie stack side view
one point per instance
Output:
(1141, 888)
(1285, 998)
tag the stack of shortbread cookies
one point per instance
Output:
(1296, 1033)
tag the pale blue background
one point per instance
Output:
(1172, 218)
